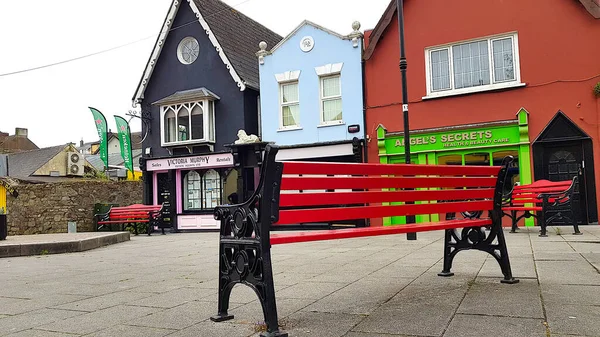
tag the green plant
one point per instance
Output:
(597, 90)
(2, 211)
(44, 252)
(141, 227)
(94, 174)
(558, 232)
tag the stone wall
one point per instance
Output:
(46, 208)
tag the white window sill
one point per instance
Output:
(324, 125)
(498, 86)
(187, 142)
(292, 128)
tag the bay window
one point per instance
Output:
(478, 65)
(187, 117)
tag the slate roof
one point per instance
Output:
(23, 164)
(14, 143)
(239, 36)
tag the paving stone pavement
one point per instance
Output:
(376, 287)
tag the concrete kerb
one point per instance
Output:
(27, 245)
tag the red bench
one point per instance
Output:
(132, 214)
(544, 200)
(353, 191)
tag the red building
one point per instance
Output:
(487, 79)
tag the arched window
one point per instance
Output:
(170, 130)
(197, 122)
(183, 124)
(191, 193)
(211, 189)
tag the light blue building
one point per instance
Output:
(311, 94)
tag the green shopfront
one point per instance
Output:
(473, 144)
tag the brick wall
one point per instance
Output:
(46, 208)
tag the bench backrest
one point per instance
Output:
(305, 192)
(531, 193)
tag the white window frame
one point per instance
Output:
(281, 105)
(323, 99)
(285, 78)
(208, 132)
(492, 86)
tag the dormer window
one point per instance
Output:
(187, 117)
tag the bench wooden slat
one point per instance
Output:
(119, 221)
(363, 197)
(362, 212)
(522, 208)
(321, 183)
(373, 231)
(299, 167)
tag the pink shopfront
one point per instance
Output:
(191, 187)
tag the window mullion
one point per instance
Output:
(491, 62)
(451, 65)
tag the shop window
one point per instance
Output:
(472, 66)
(211, 189)
(481, 159)
(452, 159)
(192, 191)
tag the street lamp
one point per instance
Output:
(403, 66)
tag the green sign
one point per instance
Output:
(459, 139)
(100, 122)
(125, 140)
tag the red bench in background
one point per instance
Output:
(246, 238)
(544, 200)
(151, 215)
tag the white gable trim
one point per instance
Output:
(139, 93)
(308, 23)
(213, 39)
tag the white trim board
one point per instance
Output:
(139, 93)
(315, 152)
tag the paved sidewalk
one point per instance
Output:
(377, 287)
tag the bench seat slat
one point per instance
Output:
(120, 221)
(362, 197)
(320, 235)
(522, 208)
(322, 183)
(296, 216)
(299, 167)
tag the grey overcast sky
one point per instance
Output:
(52, 103)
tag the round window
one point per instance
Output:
(187, 51)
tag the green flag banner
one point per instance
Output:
(125, 140)
(102, 128)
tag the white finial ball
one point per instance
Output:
(356, 25)
(262, 45)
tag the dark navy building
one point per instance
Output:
(199, 88)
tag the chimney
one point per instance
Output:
(21, 132)
(81, 142)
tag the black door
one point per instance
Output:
(164, 196)
(562, 162)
